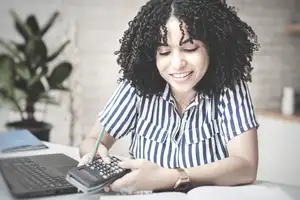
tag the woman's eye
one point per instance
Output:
(164, 53)
(190, 50)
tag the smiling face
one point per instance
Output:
(181, 65)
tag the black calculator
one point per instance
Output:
(94, 176)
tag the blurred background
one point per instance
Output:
(82, 73)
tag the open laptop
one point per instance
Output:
(36, 176)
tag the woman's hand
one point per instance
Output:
(145, 175)
(102, 152)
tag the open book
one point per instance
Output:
(258, 191)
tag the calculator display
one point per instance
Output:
(87, 174)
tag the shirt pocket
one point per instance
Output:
(150, 131)
(202, 132)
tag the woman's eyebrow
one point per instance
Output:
(182, 43)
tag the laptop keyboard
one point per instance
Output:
(31, 175)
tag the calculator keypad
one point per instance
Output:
(105, 170)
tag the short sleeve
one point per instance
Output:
(236, 111)
(119, 114)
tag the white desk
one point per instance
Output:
(293, 192)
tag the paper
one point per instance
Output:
(156, 196)
(247, 192)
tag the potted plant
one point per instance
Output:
(28, 75)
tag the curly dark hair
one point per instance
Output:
(230, 43)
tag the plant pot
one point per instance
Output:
(39, 129)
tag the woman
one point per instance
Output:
(183, 98)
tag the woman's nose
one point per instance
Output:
(178, 60)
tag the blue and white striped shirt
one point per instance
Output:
(161, 135)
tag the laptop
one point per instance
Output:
(37, 176)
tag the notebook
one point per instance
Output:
(246, 192)
(19, 140)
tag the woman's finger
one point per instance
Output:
(104, 154)
(84, 160)
(106, 189)
(126, 181)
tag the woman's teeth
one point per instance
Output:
(181, 75)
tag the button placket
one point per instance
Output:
(183, 124)
(180, 128)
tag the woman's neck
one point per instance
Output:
(183, 99)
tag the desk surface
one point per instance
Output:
(293, 192)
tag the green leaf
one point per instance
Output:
(36, 90)
(8, 47)
(41, 50)
(6, 72)
(22, 71)
(5, 60)
(21, 84)
(38, 76)
(5, 96)
(33, 25)
(21, 27)
(30, 48)
(57, 52)
(60, 73)
(36, 51)
(4, 93)
(49, 23)
(19, 47)
(6, 68)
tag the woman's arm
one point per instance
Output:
(118, 117)
(239, 168)
(87, 145)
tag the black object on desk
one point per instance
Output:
(36, 176)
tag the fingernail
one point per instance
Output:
(106, 189)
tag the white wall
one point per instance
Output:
(279, 150)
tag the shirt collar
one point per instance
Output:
(167, 96)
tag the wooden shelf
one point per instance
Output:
(293, 28)
(277, 115)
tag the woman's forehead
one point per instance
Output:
(176, 32)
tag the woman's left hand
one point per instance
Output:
(145, 175)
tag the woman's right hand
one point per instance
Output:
(102, 152)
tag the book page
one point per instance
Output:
(246, 192)
(153, 196)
